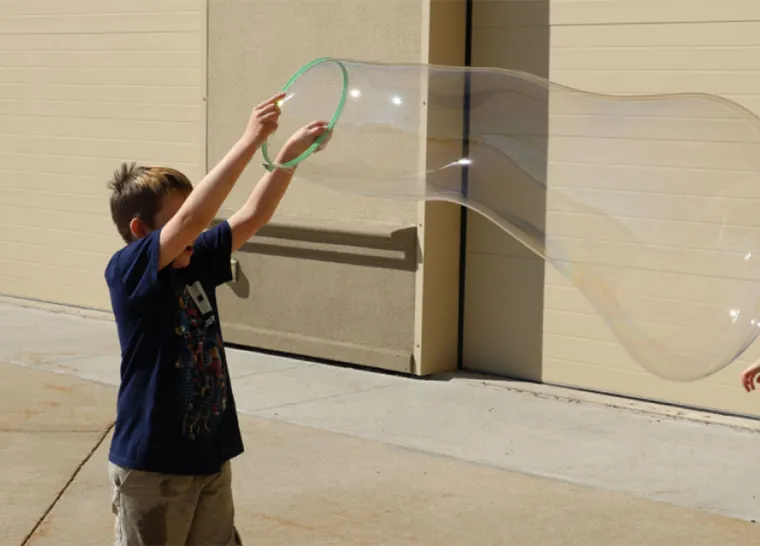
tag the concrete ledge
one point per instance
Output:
(320, 348)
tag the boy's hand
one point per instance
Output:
(302, 139)
(263, 120)
(749, 377)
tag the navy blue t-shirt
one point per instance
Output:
(175, 410)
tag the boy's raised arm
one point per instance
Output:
(203, 203)
(267, 194)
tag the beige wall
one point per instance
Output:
(646, 47)
(335, 275)
(613, 47)
(88, 85)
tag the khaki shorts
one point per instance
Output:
(171, 510)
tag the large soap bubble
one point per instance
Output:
(647, 204)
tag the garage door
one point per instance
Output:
(85, 85)
(643, 46)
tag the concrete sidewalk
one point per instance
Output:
(348, 457)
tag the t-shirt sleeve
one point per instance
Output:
(213, 253)
(133, 271)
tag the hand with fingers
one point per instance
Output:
(264, 120)
(750, 377)
(302, 139)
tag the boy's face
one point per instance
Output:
(169, 208)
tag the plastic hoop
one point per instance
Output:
(271, 165)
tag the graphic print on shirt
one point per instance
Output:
(203, 379)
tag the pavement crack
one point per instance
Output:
(260, 411)
(66, 486)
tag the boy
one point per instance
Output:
(176, 427)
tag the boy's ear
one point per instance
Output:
(138, 228)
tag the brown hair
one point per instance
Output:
(138, 193)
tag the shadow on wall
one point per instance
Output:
(398, 250)
(504, 281)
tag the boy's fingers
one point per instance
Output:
(269, 108)
(271, 100)
(314, 124)
(318, 128)
(325, 142)
(275, 98)
(268, 119)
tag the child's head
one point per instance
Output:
(144, 199)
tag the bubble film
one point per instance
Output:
(647, 204)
